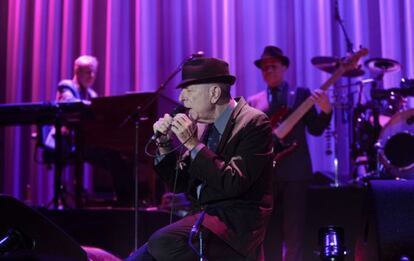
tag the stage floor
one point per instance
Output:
(113, 228)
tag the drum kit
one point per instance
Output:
(383, 127)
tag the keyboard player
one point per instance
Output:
(80, 88)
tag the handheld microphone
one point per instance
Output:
(179, 109)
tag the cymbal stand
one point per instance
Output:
(359, 151)
(377, 128)
(350, 112)
(346, 113)
(343, 121)
(338, 116)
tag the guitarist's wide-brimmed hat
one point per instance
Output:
(205, 70)
(272, 52)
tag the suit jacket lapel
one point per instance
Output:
(230, 125)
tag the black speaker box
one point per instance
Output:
(29, 226)
(388, 229)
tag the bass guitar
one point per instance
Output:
(283, 129)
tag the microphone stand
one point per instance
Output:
(135, 117)
(349, 44)
(348, 113)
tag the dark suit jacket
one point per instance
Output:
(237, 190)
(297, 166)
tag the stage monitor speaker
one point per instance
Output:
(388, 230)
(25, 234)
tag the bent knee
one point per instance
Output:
(164, 246)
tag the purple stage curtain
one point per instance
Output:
(139, 43)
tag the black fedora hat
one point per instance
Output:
(272, 52)
(205, 70)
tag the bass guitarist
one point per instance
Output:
(293, 172)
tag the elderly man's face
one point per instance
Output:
(197, 97)
(85, 74)
(273, 72)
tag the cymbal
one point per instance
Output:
(326, 63)
(382, 65)
(330, 64)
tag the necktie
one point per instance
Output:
(212, 137)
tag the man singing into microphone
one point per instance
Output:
(225, 171)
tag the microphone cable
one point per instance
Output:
(172, 206)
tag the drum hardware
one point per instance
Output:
(330, 64)
(365, 134)
(406, 83)
(382, 65)
(388, 146)
(379, 67)
(366, 120)
(369, 118)
(396, 145)
(364, 178)
(343, 101)
(357, 83)
(328, 137)
(392, 92)
(361, 172)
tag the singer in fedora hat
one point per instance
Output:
(225, 171)
(206, 70)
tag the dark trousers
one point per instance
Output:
(286, 229)
(171, 243)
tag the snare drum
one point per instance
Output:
(396, 145)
